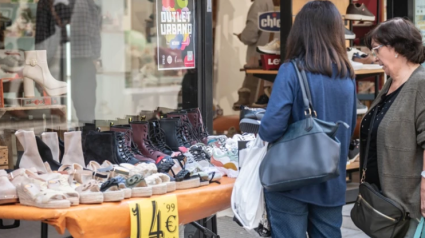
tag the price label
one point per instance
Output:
(155, 218)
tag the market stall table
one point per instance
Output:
(113, 219)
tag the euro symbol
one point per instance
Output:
(169, 224)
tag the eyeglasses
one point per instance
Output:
(375, 50)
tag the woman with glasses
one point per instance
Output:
(317, 41)
(397, 134)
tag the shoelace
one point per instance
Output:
(159, 139)
(180, 135)
(124, 149)
(151, 147)
(188, 129)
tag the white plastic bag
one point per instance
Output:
(247, 195)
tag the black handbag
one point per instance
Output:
(375, 214)
(307, 153)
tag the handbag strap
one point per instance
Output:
(369, 134)
(305, 89)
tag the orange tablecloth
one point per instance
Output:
(113, 219)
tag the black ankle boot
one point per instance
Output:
(100, 146)
(46, 154)
(108, 145)
(85, 130)
(124, 153)
(174, 133)
(157, 136)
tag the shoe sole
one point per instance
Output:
(358, 17)
(249, 125)
(159, 189)
(113, 196)
(350, 37)
(361, 111)
(8, 201)
(190, 183)
(171, 186)
(91, 198)
(141, 192)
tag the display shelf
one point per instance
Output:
(82, 220)
(6, 109)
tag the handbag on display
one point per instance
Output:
(375, 214)
(420, 230)
(308, 153)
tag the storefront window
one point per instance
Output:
(69, 62)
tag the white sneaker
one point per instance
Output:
(271, 48)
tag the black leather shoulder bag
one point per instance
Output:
(375, 214)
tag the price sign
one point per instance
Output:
(155, 218)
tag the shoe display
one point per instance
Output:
(142, 139)
(174, 134)
(188, 129)
(272, 48)
(157, 136)
(363, 58)
(46, 154)
(262, 102)
(359, 12)
(34, 192)
(31, 157)
(52, 141)
(195, 118)
(250, 119)
(349, 35)
(73, 149)
(128, 132)
(36, 70)
(11, 62)
(244, 95)
(361, 108)
(7, 190)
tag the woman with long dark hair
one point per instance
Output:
(317, 42)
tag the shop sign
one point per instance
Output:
(175, 34)
(269, 21)
(155, 218)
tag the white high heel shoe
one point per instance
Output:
(36, 70)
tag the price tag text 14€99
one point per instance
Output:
(155, 218)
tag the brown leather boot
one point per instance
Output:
(143, 142)
(195, 118)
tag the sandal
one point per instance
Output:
(183, 178)
(138, 185)
(7, 189)
(90, 192)
(34, 192)
(111, 191)
(158, 187)
(59, 182)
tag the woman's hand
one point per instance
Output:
(423, 196)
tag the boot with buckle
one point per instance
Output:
(128, 132)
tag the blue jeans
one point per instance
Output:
(290, 218)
